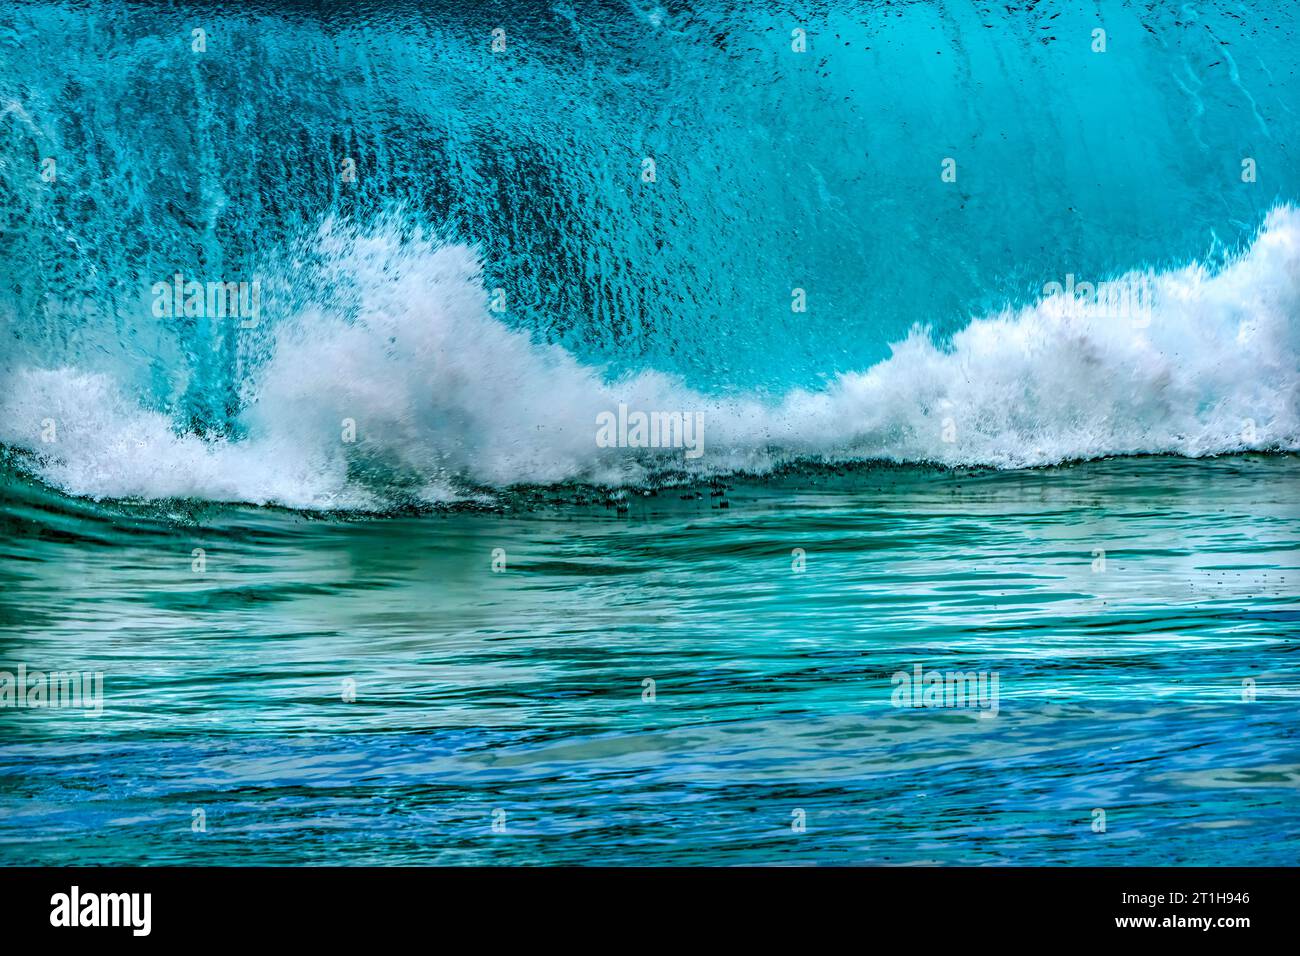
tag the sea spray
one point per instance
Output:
(447, 396)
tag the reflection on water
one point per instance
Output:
(524, 690)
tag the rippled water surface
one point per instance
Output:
(522, 690)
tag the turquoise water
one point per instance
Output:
(369, 581)
(522, 690)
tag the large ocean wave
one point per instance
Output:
(501, 271)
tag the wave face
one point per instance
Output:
(463, 256)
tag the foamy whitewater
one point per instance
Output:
(447, 401)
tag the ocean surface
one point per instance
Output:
(523, 690)
(368, 576)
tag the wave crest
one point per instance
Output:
(419, 393)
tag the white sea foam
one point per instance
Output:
(445, 397)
